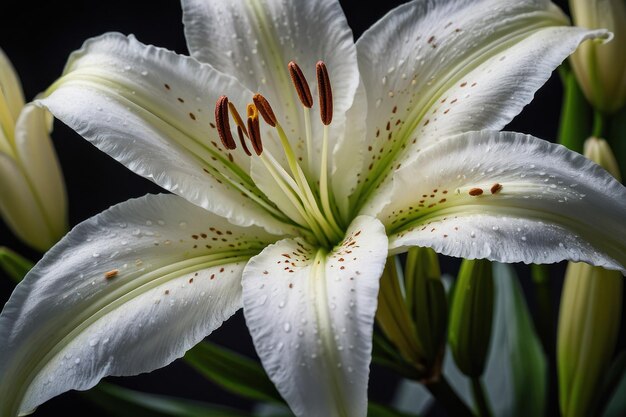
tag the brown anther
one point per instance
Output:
(243, 141)
(495, 188)
(263, 106)
(475, 192)
(325, 93)
(254, 129)
(222, 123)
(238, 120)
(111, 274)
(302, 86)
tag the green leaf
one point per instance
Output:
(14, 265)
(575, 124)
(617, 405)
(613, 393)
(123, 402)
(517, 368)
(232, 371)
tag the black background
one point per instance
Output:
(38, 36)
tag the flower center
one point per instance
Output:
(308, 197)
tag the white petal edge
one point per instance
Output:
(553, 204)
(125, 292)
(311, 315)
(152, 110)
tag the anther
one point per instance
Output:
(302, 86)
(263, 106)
(222, 123)
(243, 141)
(325, 93)
(238, 120)
(254, 130)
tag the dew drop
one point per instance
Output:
(93, 342)
(287, 327)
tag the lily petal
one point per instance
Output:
(152, 110)
(508, 197)
(435, 69)
(311, 315)
(255, 40)
(125, 292)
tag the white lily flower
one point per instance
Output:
(33, 202)
(298, 231)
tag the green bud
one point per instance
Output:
(591, 306)
(471, 316)
(601, 67)
(427, 303)
(393, 318)
(412, 310)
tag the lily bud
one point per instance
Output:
(33, 200)
(393, 318)
(591, 306)
(599, 151)
(601, 67)
(427, 305)
(471, 316)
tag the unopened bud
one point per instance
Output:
(471, 316)
(601, 67)
(599, 151)
(33, 202)
(589, 317)
(427, 304)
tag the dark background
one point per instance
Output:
(38, 36)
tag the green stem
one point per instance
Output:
(448, 398)
(543, 322)
(598, 124)
(480, 398)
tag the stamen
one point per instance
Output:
(301, 84)
(254, 129)
(222, 123)
(325, 93)
(263, 106)
(238, 120)
(243, 141)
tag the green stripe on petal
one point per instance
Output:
(311, 316)
(125, 292)
(435, 69)
(508, 197)
(153, 110)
